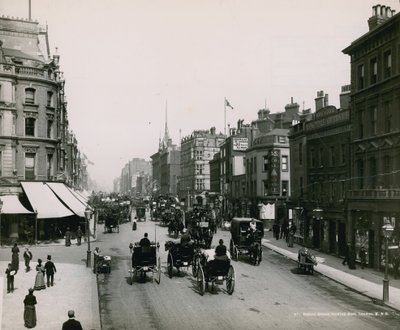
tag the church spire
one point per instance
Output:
(166, 133)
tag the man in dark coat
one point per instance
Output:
(72, 324)
(50, 270)
(145, 242)
(27, 258)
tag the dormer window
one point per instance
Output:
(30, 96)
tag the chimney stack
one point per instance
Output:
(319, 101)
(380, 14)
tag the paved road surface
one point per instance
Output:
(272, 295)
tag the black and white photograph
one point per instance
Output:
(199, 164)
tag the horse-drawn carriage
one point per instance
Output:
(144, 260)
(141, 213)
(214, 270)
(306, 260)
(181, 255)
(246, 239)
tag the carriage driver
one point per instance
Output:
(220, 251)
(185, 238)
(251, 232)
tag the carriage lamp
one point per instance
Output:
(88, 214)
(387, 230)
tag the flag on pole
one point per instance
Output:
(228, 104)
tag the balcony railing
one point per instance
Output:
(375, 193)
(26, 71)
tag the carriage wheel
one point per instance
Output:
(195, 266)
(230, 280)
(158, 279)
(170, 265)
(201, 280)
(231, 247)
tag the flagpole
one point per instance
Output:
(225, 116)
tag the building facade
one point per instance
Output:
(374, 193)
(197, 150)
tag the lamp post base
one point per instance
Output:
(385, 290)
(88, 258)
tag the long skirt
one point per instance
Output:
(15, 261)
(39, 281)
(30, 316)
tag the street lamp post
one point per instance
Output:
(88, 214)
(387, 230)
(1, 207)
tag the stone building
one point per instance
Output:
(320, 163)
(374, 194)
(197, 150)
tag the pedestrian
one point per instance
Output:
(285, 229)
(39, 280)
(27, 258)
(10, 278)
(79, 235)
(72, 324)
(96, 255)
(67, 237)
(292, 231)
(131, 247)
(50, 270)
(15, 257)
(363, 256)
(30, 310)
(346, 254)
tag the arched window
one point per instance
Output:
(30, 96)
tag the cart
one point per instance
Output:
(306, 260)
(180, 255)
(212, 270)
(145, 260)
(245, 241)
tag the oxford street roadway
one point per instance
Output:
(272, 295)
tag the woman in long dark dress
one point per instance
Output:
(30, 310)
(39, 280)
(15, 257)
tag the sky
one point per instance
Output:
(126, 61)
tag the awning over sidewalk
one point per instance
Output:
(12, 205)
(44, 201)
(69, 198)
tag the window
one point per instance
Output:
(321, 157)
(255, 164)
(30, 166)
(30, 126)
(332, 156)
(360, 124)
(301, 186)
(285, 166)
(312, 155)
(199, 154)
(388, 116)
(360, 173)
(30, 96)
(301, 153)
(387, 64)
(373, 71)
(285, 188)
(281, 139)
(372, 172)
(387, 171)
(374, 117)
(199, 168)
(265, 186)
(360, 77)
(49, 166)
(1, 163)
(49, 128)
(343, 154)
(49, 99)
(265, 163)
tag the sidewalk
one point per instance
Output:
(75, 287)
(365, 281)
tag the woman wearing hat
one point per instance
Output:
(30, 310)
(39, 280)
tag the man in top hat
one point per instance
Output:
(72, 324)
(50, 270)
